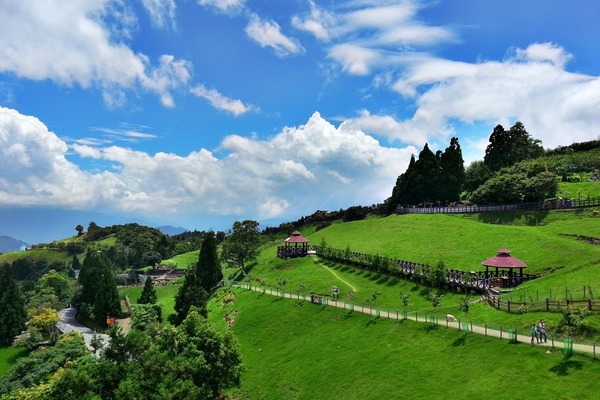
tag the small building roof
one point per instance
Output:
(296, 238)
(504, 260)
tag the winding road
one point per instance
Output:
(68, 323)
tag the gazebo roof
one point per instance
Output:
(296, 238)
(504, 260)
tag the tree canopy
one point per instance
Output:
(209, 269)
(12, 306)
(98, 296)
(507, 148)
(241, 246)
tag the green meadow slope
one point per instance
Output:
(298, 350)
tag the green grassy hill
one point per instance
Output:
(298, 350)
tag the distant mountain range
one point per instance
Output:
(171, 230)
(8, 244)
(43, 225)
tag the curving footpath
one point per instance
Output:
(425, 317)
(68, 323)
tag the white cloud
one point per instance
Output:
(268, 34)
(162, 12)
(531, 86)
(299, 170)
(385, 126)
(317, 22)
(218, 101)
(82, 43)
(544, 52)
(224, 6)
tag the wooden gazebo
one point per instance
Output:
(294, 246)
(503, 260)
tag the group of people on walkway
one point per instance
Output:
(538, 332)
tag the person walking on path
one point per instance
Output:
(542, 332)
(534, 333)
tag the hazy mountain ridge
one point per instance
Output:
(8, 244)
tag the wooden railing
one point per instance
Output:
(543, 305)
(479, 281)
(559, 204)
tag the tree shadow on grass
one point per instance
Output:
(372, 321)
(563, 368)
(461, 340)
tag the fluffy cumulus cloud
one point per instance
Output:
(221, 102)
(298, 170)
(82, 43)
(531, 85)
(387, 41)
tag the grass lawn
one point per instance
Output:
(186, 259)
(8, 356)
(298, 350)
(165, 297)
(548, 245)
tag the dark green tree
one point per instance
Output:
(241, 246)
(98, 296)
(151, 258)
(190, 294)
(209, 269)
(427, 173)
(507, 148)
(476, 175)
(79, 229)
(401, 194)
(148, 293)
(452, 173)
(12, 306)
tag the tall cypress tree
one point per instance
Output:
(427, 170)
(148, 293)
(208, 268)
(452, 172)
(99, 293)
(189, 294)
(12, 309)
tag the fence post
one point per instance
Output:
(508, 305)
(589, 304)
(485, 326)
(500, 331)
(547, 304)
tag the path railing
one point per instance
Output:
(558, 204)
(590, 305)
(478, 281)
(508, 332)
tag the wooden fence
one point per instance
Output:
(543, 305)
(559, 204)
(477, 281)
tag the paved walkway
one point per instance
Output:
(427, 318)
(68, 323)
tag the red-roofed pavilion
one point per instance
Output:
(505, 261)
(294, 246)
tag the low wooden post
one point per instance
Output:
(547, 304)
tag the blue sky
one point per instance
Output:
(201, 112)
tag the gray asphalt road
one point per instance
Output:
(68, 323)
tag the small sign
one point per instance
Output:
(315, 299)
(335, 291)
